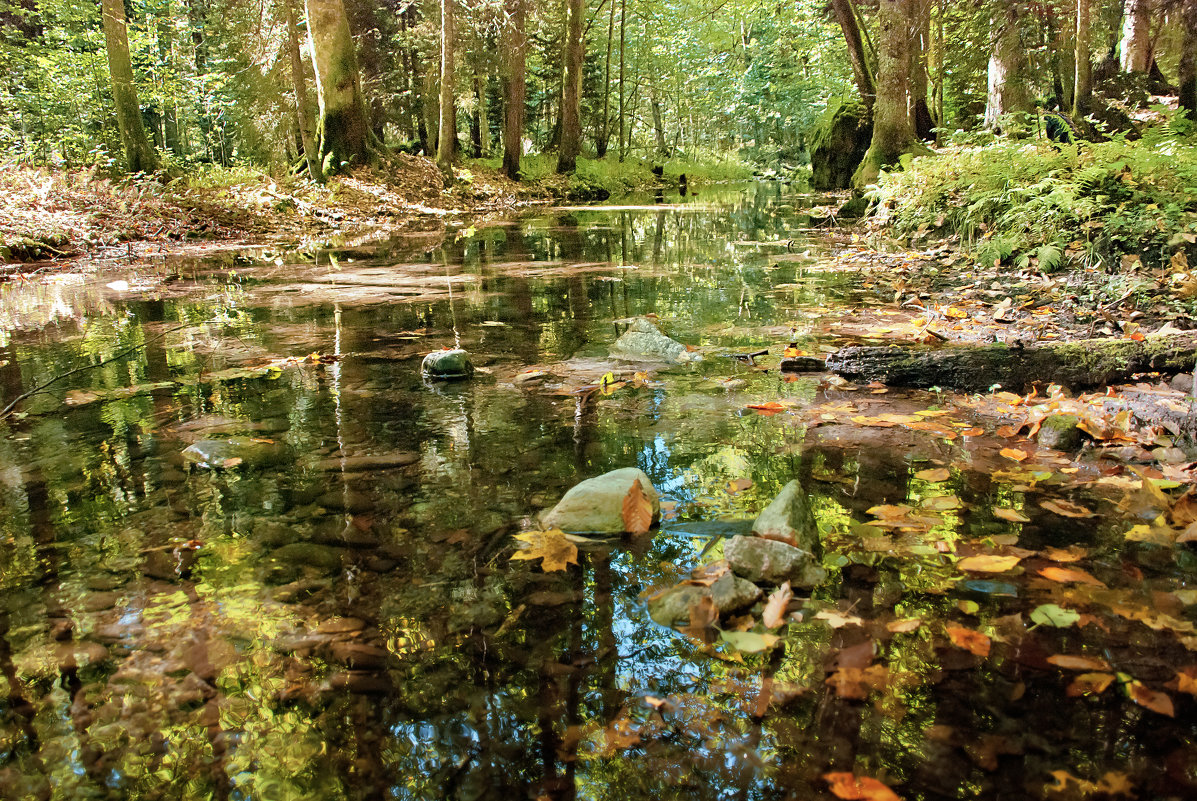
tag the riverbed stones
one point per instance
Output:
(789, 519)
(730, 593)
(235, 452)
(1060, 432)
(447, 365)
(763, 561)
(645, 340)
(596, 505)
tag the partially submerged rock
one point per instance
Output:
(596, 505)
(1060, 432)
(447, 365)
(730, 593)
(765, 561)
(234, 452)
(645, 340)
(789, 519)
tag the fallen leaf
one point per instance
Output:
(231, 462)
(1015, 454)
(859, 788)
(1186, 680)
(1066, 509)
(1073, 662)
(972, 641)
(637, 510)
(1151, 699)
(703, 615)
(934, 475)
(1089, 684)
(1070, 575)
(988, 563)
(856, 683)
(903, 626)
(836, 620)
(738, 485)
(1054, 615)
(1073, 553)
(1011, 515)
(775, 609)
(552, 547)
(749, 642)
(941, 503)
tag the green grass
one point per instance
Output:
(630, 175)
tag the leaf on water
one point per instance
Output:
(1070, 575)
(703, 615)
(775, 609)
(856, 683)
(934, 475)
(737, 485)
(637, 510)
(1151, 699)
(1186, 680)
(1073, 553)
(766, 409)
(749, 642)
(232, 461)
(941, 503)
(1089, 684)
(859, 788)
(1112, 783)
(972, 641)
(988, 563)
(1011, 515)
(889, 511)
(1054, 615)
(1015, 454)
(903, 626)
(1066, 509)
(552, 547)
(1073, 662)
(838, 621)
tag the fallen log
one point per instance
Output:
(975, 368)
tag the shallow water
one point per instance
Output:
(323, 626)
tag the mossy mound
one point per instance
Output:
(838, 143)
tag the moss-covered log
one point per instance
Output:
(1080, 364)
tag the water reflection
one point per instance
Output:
(334, 615)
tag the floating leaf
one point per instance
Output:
(1066, 509)
(1012, 515)
(941, 503)
(972, 641)
(775, 608)
(1089, 684)
(1146, 697)
(1073, 662)
(836, 620)
(988, 563)
(903, 626)
(934, 475)
(738, 485)
(1015, 454)
(703, 615)
(1070, 575)
(859, 788)
(1054, 615)
(637, 510)
(1073, 553)
(552, 547)
(856, 683)
(749, 642)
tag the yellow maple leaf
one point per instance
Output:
(552, 547)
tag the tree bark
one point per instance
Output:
(447, 143)
(861, 71)
(571, 89)
(920, 114)
(1187, 69)
(893, 132)
(623, 27)
(481, 120)
(515, 88)
(1085, 363)
(139, 154)
(310, 150)
(1136, 36)
(604, 135)
(1007, 68)
(1083, 82)
(342, 129)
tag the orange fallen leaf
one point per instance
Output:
(1066, 509)
(1016, 454)
(766, 409)
(1185, 681)
(972, 641)
(903, 626)
(1011, 515)
(738, 485)
(552, 547)
(1089, 684)
(1151, 699)
(637, 510)
(775, 609)
(1073, 553)
(988, 563)
(859, 788)
(1072, 662)
(934, 475)
(1070, 575)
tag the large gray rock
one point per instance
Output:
(447, 365)
(1060, 432)
(789, 519)
(596, 505)
(644, 340)
(765, 561)
(235, 451)
(730, 593)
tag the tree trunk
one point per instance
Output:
(482, 143)
(861, 72)
(138, 152)
(1083, 83)
(1007, 69)
(920, 114)
(310, 151)
(604, 135)
(1136, 36)
(623, 27)
(658, 121)
(447, 143)
(342, 126)
(571, 89)
(514, 89)
(1187, 69)
(170, 104)
(430, 106)
(893, 133)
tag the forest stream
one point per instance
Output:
(329, 610)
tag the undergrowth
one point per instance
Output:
(609, 175)
(1032, 204)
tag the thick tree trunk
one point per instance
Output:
(447, 143)
(1007, 69)
(1187, 70)
(1083, 82)
(310, 151)
(571, 89)
(861, 71)
(1136, 36)
(514, 89)
(430, 108)
(1086, 363)
(893, 132)
(342, 126)
(481, 120)
(138, 151)
(920, 114)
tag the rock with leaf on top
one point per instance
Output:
(620, 501)
(789, 519)
(730, 593)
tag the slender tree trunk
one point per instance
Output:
(937, 91)
(893, 132)
(446, 149)
(430, 107)
(861, 71)
(571, 88)
(604, 136)
(342, 128)
(138, 152)
(1136, 36)
(310, 151)
(170, 104)
(1187, 70)
(1083, 82)
(514, 89)
(920, 114)
(623, 17)
(1007, 68)
(483, 143)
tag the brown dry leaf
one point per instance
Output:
(775, 609)
(703, 615)
(904, 626)
(1011, 515)
(1111, 783)
(1186, 680)
(552, 547)
(856, 683)
(637, 510)
(836, 620)
(1073, 553)
(988, 563)
(231, 462)
(972, 641)
(1070, 575)
(1016, 454)
(737, 485)
(941, 503)
(859, 788)
(1072, 662)
(1066, 509)
(934, 475)
(889, 511)
(1089, 684)
(1146, 697)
